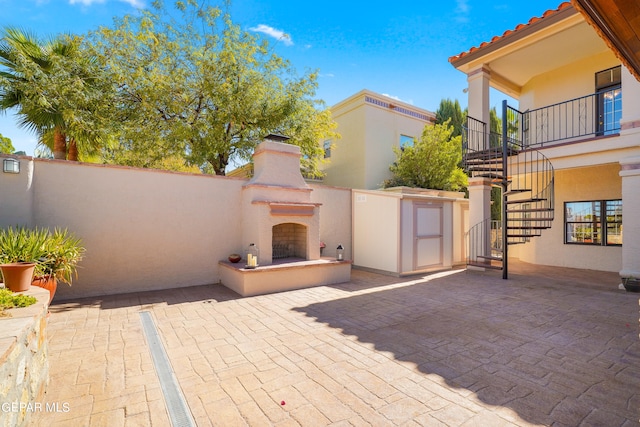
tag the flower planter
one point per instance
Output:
(631, 285)
(18, 275)
(47, 282)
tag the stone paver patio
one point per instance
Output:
(550, 346)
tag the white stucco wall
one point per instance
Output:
(335, 218)
(16, 196)
(376, 231)
(144, 229)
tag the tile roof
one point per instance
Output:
(520, 27)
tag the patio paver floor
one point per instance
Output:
(550, 346)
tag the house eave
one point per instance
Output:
(511, 38)
(614, 23)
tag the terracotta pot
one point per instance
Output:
(47, 282)
(18, 275)
(632, 285)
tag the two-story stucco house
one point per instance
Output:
(370, 126)
(568, 157)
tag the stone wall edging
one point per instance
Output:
(24, 362)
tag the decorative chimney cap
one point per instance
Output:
(276, 137)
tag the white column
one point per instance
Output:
(479, 211)
(630, 173)
(630, 120)
(478, 102)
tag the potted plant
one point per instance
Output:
(58, 262)
(631, 284)
(20, 249)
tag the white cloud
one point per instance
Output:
(397, 98)
(273, 32)
(326, 75)
(138, 4)
(85, 2)
(462, 11)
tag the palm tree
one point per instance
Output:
(32, 74)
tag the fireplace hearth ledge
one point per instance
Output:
(285, 276)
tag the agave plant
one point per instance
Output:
(56, 253)
(61, 253)
(21, 244)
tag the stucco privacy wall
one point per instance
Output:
(143, 229)
(335, 218)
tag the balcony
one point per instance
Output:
(575, 120)
(581, 118)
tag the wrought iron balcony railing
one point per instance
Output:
(584, 117)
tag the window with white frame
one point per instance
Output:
(609, 90)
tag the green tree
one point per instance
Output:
(6, 147)
(450, 110)
(201, 89)
(431, 162)
(48, 84)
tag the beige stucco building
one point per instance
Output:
(572, 146)
(370, 126)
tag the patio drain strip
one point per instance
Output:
(179, 412)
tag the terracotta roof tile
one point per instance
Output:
(518, 27)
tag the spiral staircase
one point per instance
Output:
(526, 179)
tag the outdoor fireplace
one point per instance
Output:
(280, 219)
(289, 240)
(278, 215)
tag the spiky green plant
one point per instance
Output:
(22, 244)
(56, 253)
(62, 251)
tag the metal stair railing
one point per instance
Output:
(484, 244)
(526, 177)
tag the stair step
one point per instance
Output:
(522, 235)
(530, 210)
(492, 153)
(482, 265)
(530, 200)
(517, 191)
(484, 168)
(492, 175)
(528, 227)
(480, 160)
(483, 155)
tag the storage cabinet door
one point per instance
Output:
(427, 227)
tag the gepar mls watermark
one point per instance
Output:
(35, 407)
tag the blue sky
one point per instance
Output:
(399, 49)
